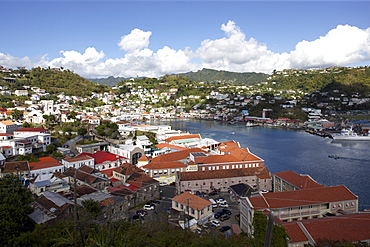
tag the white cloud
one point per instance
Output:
(342, 46)
(137, 39)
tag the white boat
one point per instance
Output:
(350, 135)
(249, 124)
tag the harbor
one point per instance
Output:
(295, 150)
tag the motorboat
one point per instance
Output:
(350, 135)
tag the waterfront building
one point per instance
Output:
(297, 205)
(289, 180)
(258, 178)
(164, 172)
(353, 228)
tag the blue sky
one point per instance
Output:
(153, 38)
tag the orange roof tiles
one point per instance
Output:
(45, 162)
(192, 201)
(163, 145)
(164, 165)
(143, 158)
(351, 227)
(299, 181)
(176, 156)
(310, 196)
(78, 158)
(211, 159)
(170, 139)
(7, 122)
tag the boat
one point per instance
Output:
(333, 156)
(350, 135)
(249, 124)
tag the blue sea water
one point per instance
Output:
(295, 150)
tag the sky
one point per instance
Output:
(98, 39)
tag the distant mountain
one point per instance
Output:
(216, 76)
(110, 81)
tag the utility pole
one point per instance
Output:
(75, 208)
(269, 227)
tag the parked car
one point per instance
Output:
(213, 193)
(224, 217)
(214, 204)
(220, 200)
(226, 211)
(225, 228)
(148, 207)
(223, 204)
(155, 201)
(216, 223)
(218, 214)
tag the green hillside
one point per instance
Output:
(343, 79)
(216, 76)
(54, 81)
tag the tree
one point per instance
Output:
(17, 114)
(15, 206)
(26, 125)
(82, 131)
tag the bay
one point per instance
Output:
(294, 150)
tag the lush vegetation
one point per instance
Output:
(15, 206)
(225, 77)
(54, 81)
(344, 79)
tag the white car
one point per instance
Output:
(148, 207)
(216, 223)
(223, 204)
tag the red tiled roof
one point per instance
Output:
(44, 162)
(143, 158)
(163, 145)
(351, 227)
(310, 196)
(164, 165)
(16, 166)
(108, 172)
(175, 156)
(31, 130)
(299, 181)
(192, 201)
(170, 139)
(140, 180)
(78, 158)
(5, 134)
(102, 156)
(121, 187)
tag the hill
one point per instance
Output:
(54, 81)
(216, 76)
(110, 81)
(344, 79)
